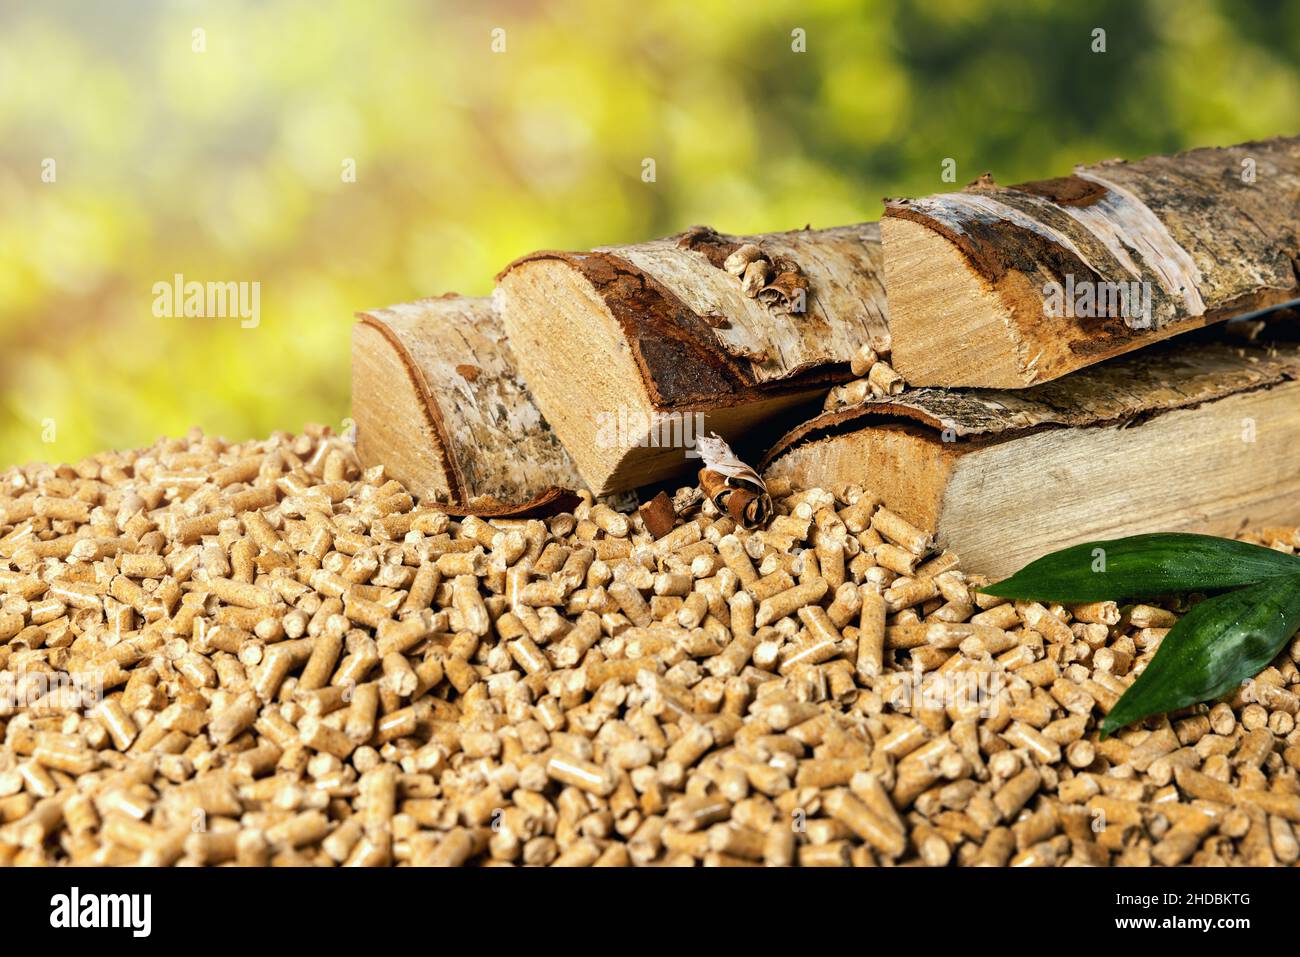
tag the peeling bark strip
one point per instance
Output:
(1184, 436)
(1208, 234)
(666, 328)
(437, 400)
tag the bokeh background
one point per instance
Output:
(227, 163)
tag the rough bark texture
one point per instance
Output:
(487, 448)
(1211, 233)
(665, 327)
(838, 269)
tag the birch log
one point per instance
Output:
(631, 350)
(437, 400)
(1185, 436)
(1009, 286)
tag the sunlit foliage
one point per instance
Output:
(215, 140)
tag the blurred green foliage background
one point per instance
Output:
(227, 163)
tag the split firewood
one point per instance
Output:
(632, 352)
(1005, 287)
(1184, 436)
(436, 399)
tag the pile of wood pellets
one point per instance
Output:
(260, 654)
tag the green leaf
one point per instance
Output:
(1213, 648)
(1142, 566)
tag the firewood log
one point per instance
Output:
(1188, 435)
(1005, 287)
(633, 351)
(437, 400)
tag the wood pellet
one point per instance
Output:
(258, 654)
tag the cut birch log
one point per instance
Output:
(1005, 287)
(436, 399)
(633, 351)
(1184, 436)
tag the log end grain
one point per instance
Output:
(952, 326)
(438, 400)
(626, 375)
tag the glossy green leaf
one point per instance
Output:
(1142, 566)
(1213, 648)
